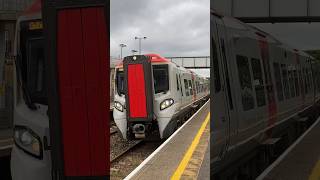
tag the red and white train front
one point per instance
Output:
(151, 92)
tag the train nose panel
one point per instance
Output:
(139, 94)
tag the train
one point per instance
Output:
(260, 87)
(31, 152)
(154, 94)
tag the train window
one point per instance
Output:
(198, 87)
(301, 80)
(120, 82)
(285, 81)
(160, 78)
(177, 82)
(186, 87)
(311, 80)
(291, 83)
(296, 82)
(215, 64)
(278, 79)
(258, 82)
(36, 79)
(190, 87)
(245, 83)
(180, 85)
(305, 80)
(226, 73)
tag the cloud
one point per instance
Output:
(172, 28)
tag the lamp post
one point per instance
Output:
(140, 38)
(122, 46)
(133, 51)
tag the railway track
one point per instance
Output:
(122, 153)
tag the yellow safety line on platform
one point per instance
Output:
(315, 175)
(183, 164)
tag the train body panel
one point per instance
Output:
(175, 91)
(270, 82)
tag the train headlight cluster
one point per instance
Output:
(28, 141)
(166, 103)
(118, 106)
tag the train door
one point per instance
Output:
(179, 87)
(219, 116)
(272, 105)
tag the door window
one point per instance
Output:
(245, 83)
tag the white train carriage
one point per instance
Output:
(258, 85)
(174, 91)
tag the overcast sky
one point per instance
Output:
(302, 36)
(172, 27)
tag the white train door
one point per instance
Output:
(219, 115)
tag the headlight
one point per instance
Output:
(118, 106)
(28, 141)
(166, 103)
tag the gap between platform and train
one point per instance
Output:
(287, 151)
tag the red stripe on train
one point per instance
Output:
(272, 105)
(136, 91)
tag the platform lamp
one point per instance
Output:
(122, 46)
(140, 38)
(134, 51)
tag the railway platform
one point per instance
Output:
(184, 155)
(300, 161)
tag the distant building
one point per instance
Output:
(10, 10)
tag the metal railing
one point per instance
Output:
(195, 62)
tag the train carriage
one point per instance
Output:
(174, 92)
(258, 85)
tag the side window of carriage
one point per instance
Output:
(215, 64)
(186, 86)
(291, 81)
(285, 81)
(178, 85)
(278, 79)
(245, 83)
(258, 82)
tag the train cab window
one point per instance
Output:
(245, 83)
(120, 82)
(278, 79)
(30, 65)
(215, 64)
(296, 82)
(186, 87)
(36, 79)
(258, 82)
(160, 78)
(285, 81)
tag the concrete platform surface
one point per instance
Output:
(300, 161)
(167, 159)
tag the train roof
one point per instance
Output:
(155, 58)
(35, 8)
(32, 12)
(250, 30)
